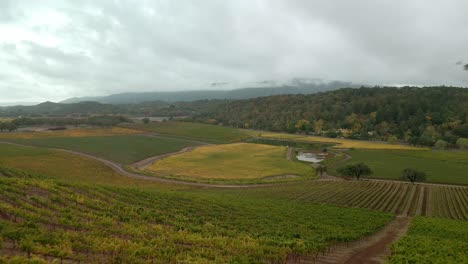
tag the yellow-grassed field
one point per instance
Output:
(78, 132)
(5, 119)
(341, 143)
(239, 161)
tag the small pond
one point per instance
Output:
(311, 157)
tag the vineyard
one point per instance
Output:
(100, 224)
(394, 197)
(196, 131)
(432, 240)
(56, 206)
(67, 167)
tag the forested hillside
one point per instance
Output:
(422, 116)
(415, 115)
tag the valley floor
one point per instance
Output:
(74, 205)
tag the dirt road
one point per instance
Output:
(121, 170)
(141, 165)
(289, 153)
(372, 249)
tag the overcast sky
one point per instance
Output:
(53, 50)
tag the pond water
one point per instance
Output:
(311, 157)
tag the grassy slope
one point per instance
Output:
(133, 226)
(67, 167)
(440, 166)
(240, 161)
(122, 149)
(216, 134)
(432, 240)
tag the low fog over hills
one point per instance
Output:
(265, 88)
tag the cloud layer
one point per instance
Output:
(52, 50)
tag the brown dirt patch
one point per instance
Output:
(372, 249)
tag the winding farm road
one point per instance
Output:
(117, 167)
(141, 165)
(121, 170)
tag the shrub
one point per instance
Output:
(392, 139)
(441, 144)
(462, 143)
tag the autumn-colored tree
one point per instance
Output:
(318, 126)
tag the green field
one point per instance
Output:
(197, 131)
(432, 240)
(440, 166)
(238, 162)
(67, 167)
(123, 149)
(109, 224)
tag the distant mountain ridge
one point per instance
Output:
(296, 86)
(58, 109)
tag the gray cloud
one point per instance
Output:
(55, 49)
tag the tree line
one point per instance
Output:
(421, 116)
(16, 123)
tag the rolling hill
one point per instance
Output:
(298, 86)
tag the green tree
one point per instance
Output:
(11, 126)
(413, 175)
(320, 169)
(461, 130)
(462, 143)
(302, 125)
(145, 120)
(392, 139)
(355, 170)
(441, 144)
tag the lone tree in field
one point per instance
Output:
(355, 170)
(321, 169)
(412, 175)
(146, 120)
